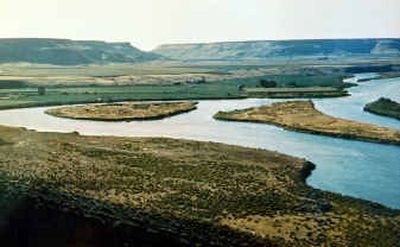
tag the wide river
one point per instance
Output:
(361, 169)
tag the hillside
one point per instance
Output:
(260, 50)
(71, 190)
(69, 52)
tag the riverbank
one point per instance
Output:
(385, 107)
(306, 92)
(302, 116)
(123, 111)
(182, 191)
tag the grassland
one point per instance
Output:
(112, 83)
(19, 83)
(19, 98)
(114, 190)
(29, 97)
(302, 116)
(31, 75)
(101, 75)
(384, 107)
(123, 111)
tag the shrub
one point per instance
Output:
(268, 83)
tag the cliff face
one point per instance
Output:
(69, 52)
(259, 50)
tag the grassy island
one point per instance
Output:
(120, 191)
(123, 111)
(385, 107)
(302, 116)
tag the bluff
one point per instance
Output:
(70, 52)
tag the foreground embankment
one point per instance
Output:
(169, 191)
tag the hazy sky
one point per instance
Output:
(148, 23)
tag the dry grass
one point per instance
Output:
(250, 191)
(123, 111)
(302, 116)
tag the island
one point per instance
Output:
(304, 117)
(385, 107)
(118, 191)
(123, 111)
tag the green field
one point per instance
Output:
(29, 97)
(164, 81)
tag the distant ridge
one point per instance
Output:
(70, 52)
(76, 52)
(263, 50)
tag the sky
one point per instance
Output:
(149, 23)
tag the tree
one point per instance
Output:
(268, 83)
(202, 80)
(41, 90)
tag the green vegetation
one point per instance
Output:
(268, 83)
(123, 111)
(306, 92)
(2, 142)
(28, 97)
(302, 116)
(192, 192)
(10, 98)
(303, 79)
(385, 107)
(166, 81)
(41, 91)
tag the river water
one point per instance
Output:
(366, 170)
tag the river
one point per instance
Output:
(365, 170)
